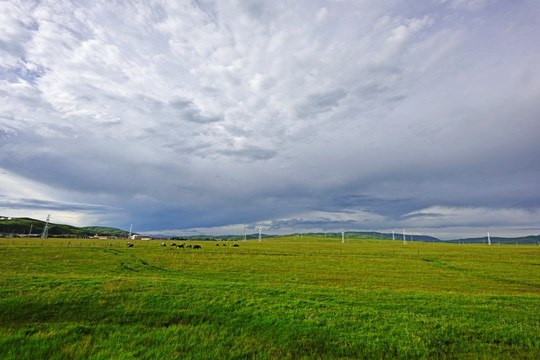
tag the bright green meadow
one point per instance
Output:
(283, 298)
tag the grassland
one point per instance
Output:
(279, 299)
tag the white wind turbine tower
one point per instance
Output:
(45, 233)
(343, 237)
(404, 240)
(393, 237)
(260, 233)
(489, 239)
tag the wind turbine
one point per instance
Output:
(45, 233)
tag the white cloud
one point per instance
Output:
(401, 35)
(467, 4)
(210, 104)
(321, 14)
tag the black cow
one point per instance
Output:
(180, 246)
(129, 244)
(188, 246)
(236, 245)
(163, 244)
(196, 246)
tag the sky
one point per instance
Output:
(208, 117)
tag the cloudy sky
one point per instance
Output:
(185, 117)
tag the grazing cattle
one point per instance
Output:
(163, 244)
(224, 245)
(217, 244)
(196, 246)
(173, 244)
(188, 246)
(180, 246)
(129, 244)
(236, 245)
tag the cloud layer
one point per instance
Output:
(311, 115)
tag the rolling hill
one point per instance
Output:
(32, 227)
(522, 240)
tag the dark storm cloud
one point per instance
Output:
(320, 103)
(251, 153)
(188, 111)
(49, 205)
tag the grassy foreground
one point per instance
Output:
(279, 299)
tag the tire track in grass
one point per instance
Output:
(133, 265)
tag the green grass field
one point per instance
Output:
(284, 298)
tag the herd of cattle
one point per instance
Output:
(184, 246)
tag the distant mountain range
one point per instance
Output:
(31, 227)
(522, 240)
(376, 235)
